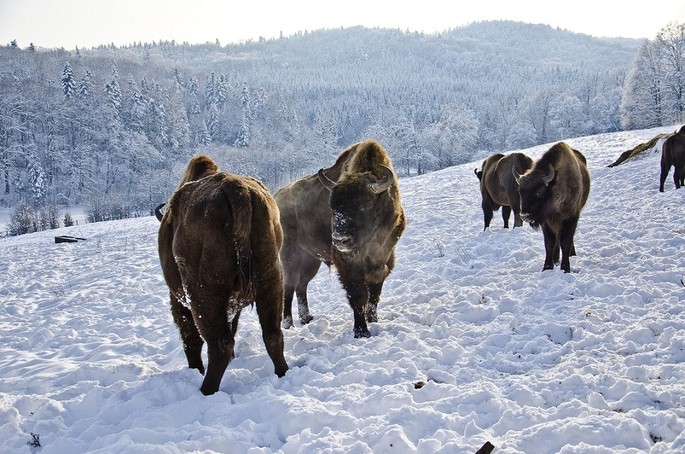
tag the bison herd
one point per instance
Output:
(225, 242)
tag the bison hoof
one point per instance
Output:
(358, 333)
(207, 391)
(306, 319)
(287, 322)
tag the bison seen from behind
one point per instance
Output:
(348, 215)
(552, 194)
(673, 154)
(499, 188)
(218, 244)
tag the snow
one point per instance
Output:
(474, 343)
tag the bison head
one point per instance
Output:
(357, 202)
(535, 188)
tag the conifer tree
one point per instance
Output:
(68, 83)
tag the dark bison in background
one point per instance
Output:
(499, 188)
(218, 246)
(348, 215)
(673, 154)
(552, 194)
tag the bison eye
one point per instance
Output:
(541, 193)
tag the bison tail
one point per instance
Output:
(240, 201)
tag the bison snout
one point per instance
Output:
(342, 241)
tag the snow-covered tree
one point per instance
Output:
(642, 102)
(68, 83)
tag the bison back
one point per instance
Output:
(218, 225)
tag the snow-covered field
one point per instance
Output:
(474, 343)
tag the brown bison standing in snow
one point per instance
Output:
(218, 246)
(499, 188)
(673, 154)
(552, 194)
(348, 215)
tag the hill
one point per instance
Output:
(109, 127)
(474, 343)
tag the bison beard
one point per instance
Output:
(348, 215)
(218, 246)
(552, 194)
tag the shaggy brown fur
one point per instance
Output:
(198, 167)
(673, 154)
(499, 188)
(349, 215)
(552, 194)
(218, 243)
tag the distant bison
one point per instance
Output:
(218, 244)
(552, 193)
(499, 188)
(673, 154)
(348, 215)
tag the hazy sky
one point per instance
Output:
(86, 23)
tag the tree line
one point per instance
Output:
(111, 128)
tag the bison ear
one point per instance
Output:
(550, 176)
(327, 182)
(385, 183)
(478, 173)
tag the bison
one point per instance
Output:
(218, 242)
(348, 215)
(552, 194)
(673, 154)
(499, 188)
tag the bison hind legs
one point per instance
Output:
(303, 310)
(372, 312)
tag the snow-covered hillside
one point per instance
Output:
(474, 342)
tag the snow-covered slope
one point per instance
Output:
(474, 342)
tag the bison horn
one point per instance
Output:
(327, 182)
(384, 184)
(158, 212)
(550, 176)
(517, 177)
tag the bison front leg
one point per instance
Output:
(374, 298)
(516, 208)
(566, 242)
(192, 342)
(358, 297)
(550, 246)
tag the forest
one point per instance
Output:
(111, 128)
